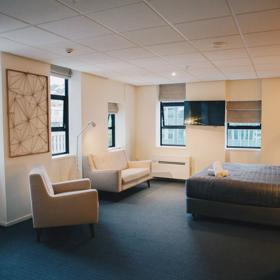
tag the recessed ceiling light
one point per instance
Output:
(219, 44)
(173, 74)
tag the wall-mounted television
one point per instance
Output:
(210, 113)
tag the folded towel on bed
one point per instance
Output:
(211, 172)
(218, 170)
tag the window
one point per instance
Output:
(244, 135)
(59, 115)
(111, 130)
(172, 128)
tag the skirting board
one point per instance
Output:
(15, 221)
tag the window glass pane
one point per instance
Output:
(58, 142)
(57, 113)
(173, 115)
(173, 136)
(110, 120)
(110, 138)
(242, 137)
(57, 85)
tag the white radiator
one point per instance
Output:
(173, 167)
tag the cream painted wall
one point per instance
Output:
(14, 183)
(205, 144)
(147, 125)
(271, 121)
(97, 92)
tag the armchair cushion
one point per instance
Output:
(132, 174)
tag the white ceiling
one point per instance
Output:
(143, 42)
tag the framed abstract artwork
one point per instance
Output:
(28, 113)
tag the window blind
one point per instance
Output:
(244, 111)
(113, 108)
(60, 71)
(172, 92)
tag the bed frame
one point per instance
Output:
(247, 213)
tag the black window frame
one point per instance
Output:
(162, 122)
(112, 128)
(245, 127)
(65, 127)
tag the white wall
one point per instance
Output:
(97, 92)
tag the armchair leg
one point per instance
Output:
(149, 183)
(91, 227)
(38, 234)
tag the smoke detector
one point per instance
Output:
(219, 44)
(69, 50)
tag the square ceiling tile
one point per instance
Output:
(172, 48)
(233, 62)
(263, 38)
(131, 53)
(242, 76)
(265, 51)
(153, 64)
(273, 60)
(35, 11)
(90, 6)
(226, 54)
(188, 10)
(261, 21)
(9, 46)
(32, 36)
(130, 17)
(231, 42)
(8, 23)
(185, 60)
(76, 28)
(244, 6)
(208, 28)
(59, 48)
(153, 36)
(107, 43)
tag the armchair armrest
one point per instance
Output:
(141, 164)
(106, 179)
(70, 208)
(73, 185)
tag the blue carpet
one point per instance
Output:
(148, 236)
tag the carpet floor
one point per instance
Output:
(146, 235)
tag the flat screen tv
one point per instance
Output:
(210, 113)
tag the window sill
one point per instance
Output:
(58, 157)
(114, 148)
(172, 147)
(244, 149)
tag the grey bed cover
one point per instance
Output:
(248, 184)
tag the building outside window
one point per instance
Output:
(244, 135)
(111, 130)
(59, 115)
(172, 127)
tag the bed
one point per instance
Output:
(251, 193)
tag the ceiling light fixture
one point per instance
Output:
(219, 44)
(173, 74)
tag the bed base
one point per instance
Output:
(238, 212)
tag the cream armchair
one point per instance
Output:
(114, 173)
(61, 204)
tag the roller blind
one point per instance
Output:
(113, 108)
(244, 111)
(172, 92)
(61, 71)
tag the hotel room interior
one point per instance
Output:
(140, 139)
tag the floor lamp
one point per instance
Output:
(90, 124)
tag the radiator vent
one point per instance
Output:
(173, 167)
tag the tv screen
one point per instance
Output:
(210, 113)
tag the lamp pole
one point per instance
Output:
(90, 124)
